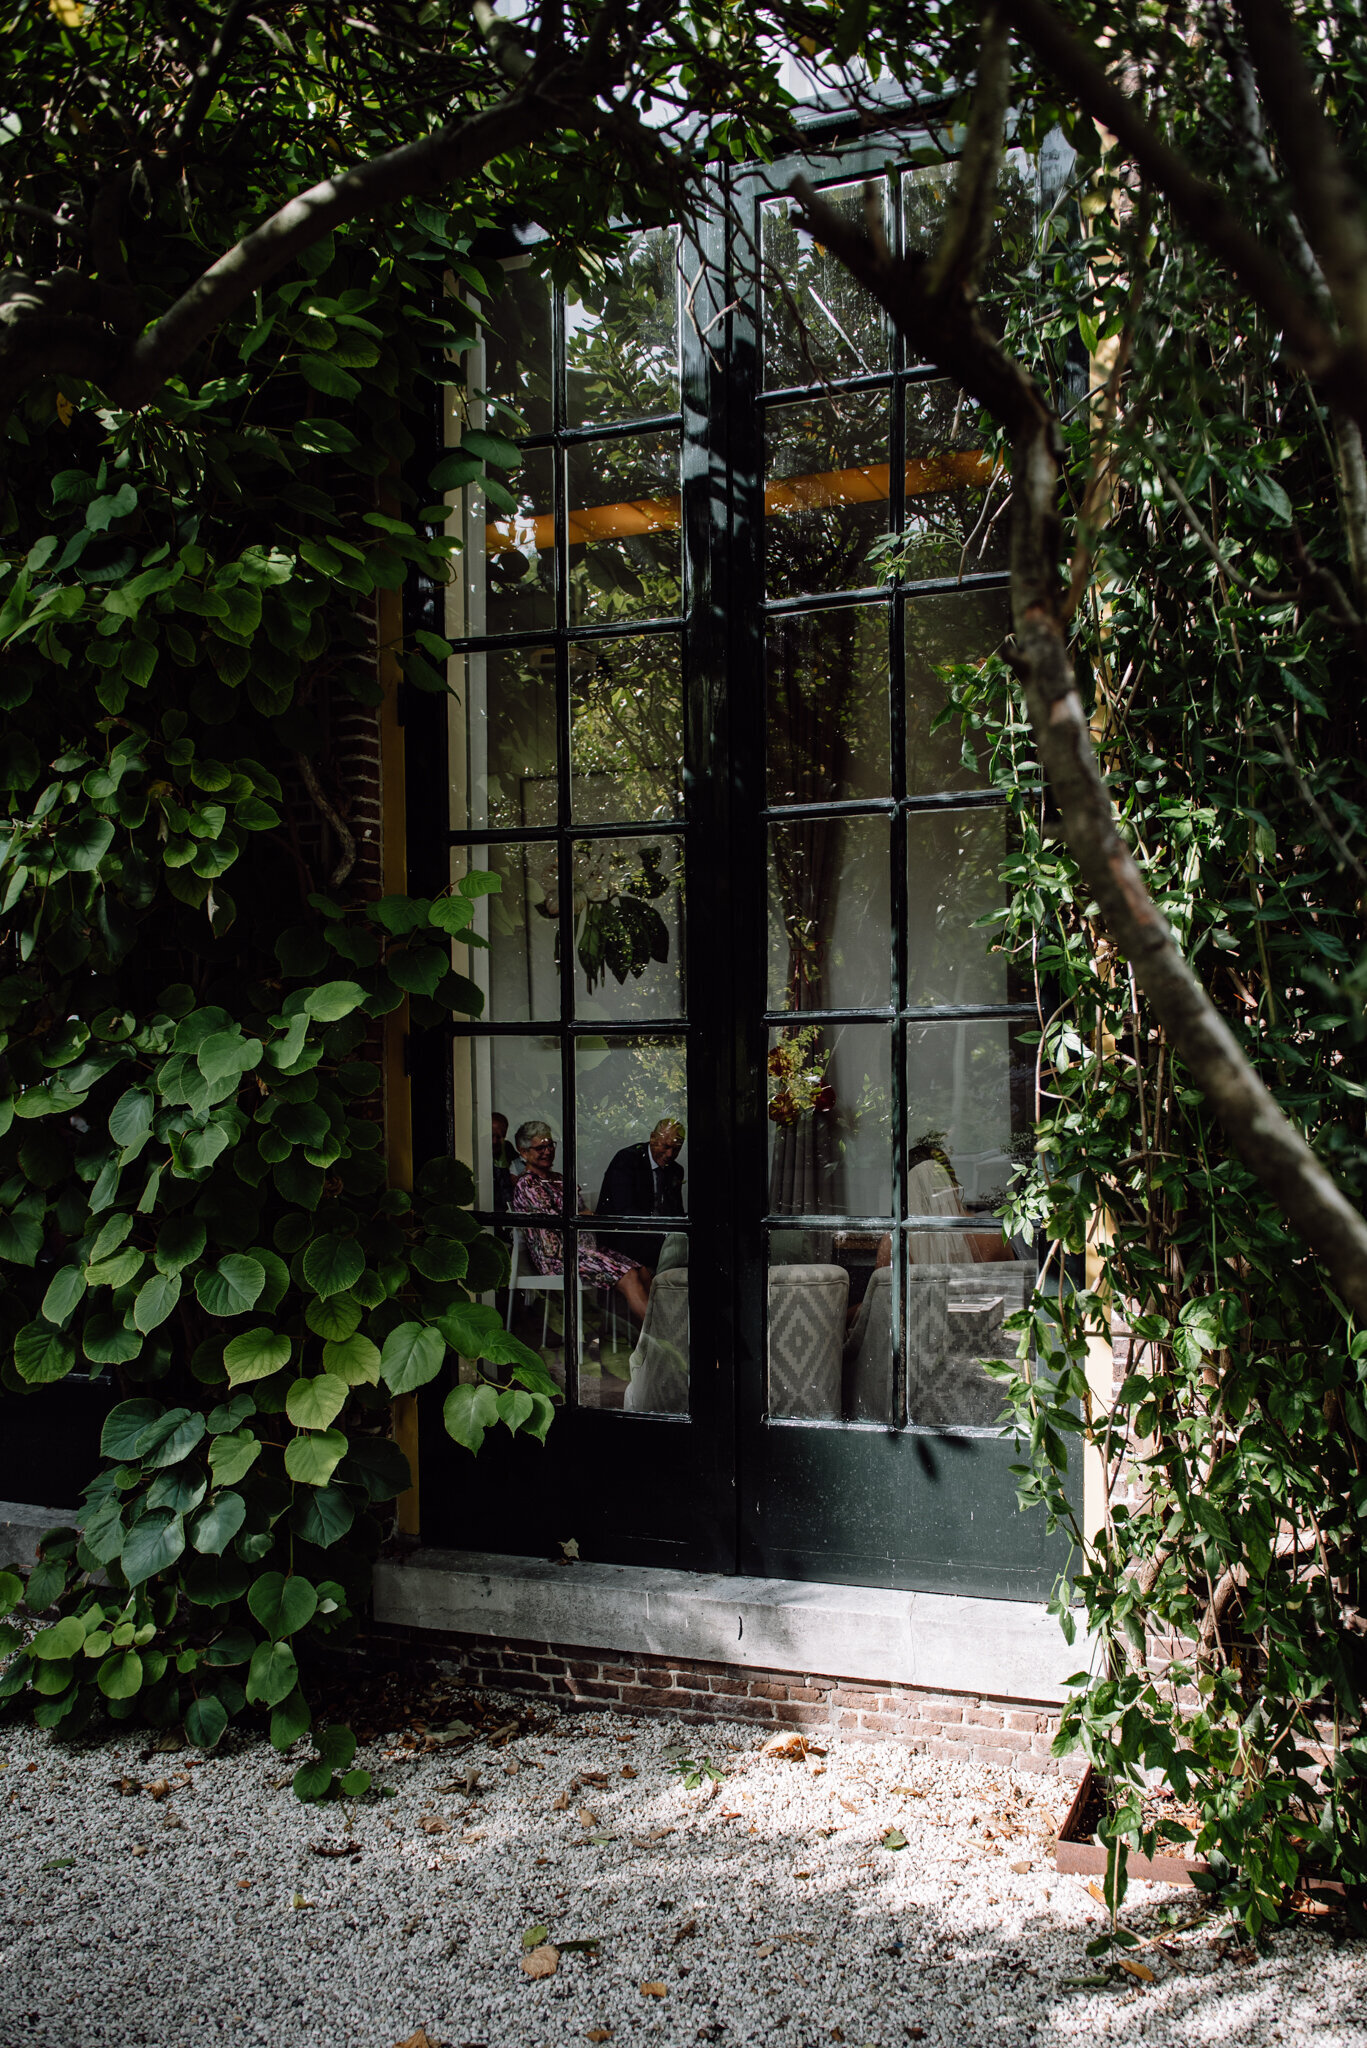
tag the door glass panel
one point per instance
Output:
(941, 631)
(825, 492)
(534, 1303)
(819, 323)
(632, 1129)
(925, 195)
(950, 529)
(517, 354)
(622, 335)
(503, 742)
(501, 1085)
(626, 730)
(510, 556)
(970, 1095)
(633, 1352)
(956, 1314)
(827, 676)
(623, 529)
(517, 967)
(829, 913)
(807, 1304)
(830, 1120)
(629, 929)
(954, 864)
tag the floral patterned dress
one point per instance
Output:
(544, 1195)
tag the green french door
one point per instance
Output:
(703, 649)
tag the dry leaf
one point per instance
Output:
(542, 1962)
(1097, 1894)
(599, 2034)
(158, 1788)
(1023, 1868)
(562, 1804)
(648, 1841)
(909, 1791)
(850, 1806)
(654, 1990)
(630, 1771)
(335, 1848)
(766, 1948)
(512, 1767)
(301, 1904)
(140, 1849)
(1140, 1970)
(422, 2039)
(433, 1824)
(586, 1819)
(1306, 1902)
(473, 1834)
(594, 1778)
(894, 1839)
(682, 1934)
(128, 1787)
(791, 1745)
(802, 1873)
(244, 1884)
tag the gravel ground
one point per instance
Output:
(190, 1903)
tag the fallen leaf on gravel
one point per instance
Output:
(730, 1813)
(909, 1792)
(1140, 1970)
(654, 1990)
(244, 1884)
(593, 1778)
(301, 1904)
(1023, 1868)
(894, 1839)
(682, 1934)
(1097, 1894)
(542, 1962)
(562, 1804)
(139, 1849)
(586, 1819)
(851, 1806)
(433, 1824)
(1306, 1902)
(599, 2034)
(791, 1745)
(65, 1862)
(802, 1873)
(335, 1848)
(454, 1731)
(534, 1936)
(630, 1771)
(422, 2039)
(588, 1946)
(128, 1786)
(649, 1841)
(505, 1733)
(474, 1834)
(766, 1948)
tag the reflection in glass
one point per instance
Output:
(622, 335)
(512, 955)
(954, 864)
(504, 759)
(830, 1120)
(819, 324)
(517, 354)
(941, 631)
(925, 195)
(825, 492)
(808, 1298)
(828, 705)
(626, 730)
(632, 1128)
(970, 1096)
(951, 492)
(504, 1082)
(628, 929)
(955, 1311)
(510, 556)
(623, 529)
(829, 911)
(638, 1364)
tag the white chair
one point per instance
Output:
(523, 1278)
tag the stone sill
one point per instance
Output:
(938, 1642)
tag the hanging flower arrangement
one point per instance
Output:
(798, 1064)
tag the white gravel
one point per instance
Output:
(768, 1910)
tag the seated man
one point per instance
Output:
(646, 1180)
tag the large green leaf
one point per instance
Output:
(124, 1426)
(233, 1287)
(232, 1457)
(170, 1438)
(215, 1526)
(323, 1516)
(411, 1357)
(180, 1241)
(130, 1120)
(64, 1293)
(21, 1237)
(333, 1317)
(156, 1300)
(43, 1355)
(332, 1264)
(333, 1001)
(282, 1605)
(355, 1360)
(312, 1460)
(379, 1465)
(468, 1412)
(63, 1639)
(152, 1545)
(316, 1403)
(120, 1675)
(205, 1721)
(441, 1258)
(255, 1355)
(476, 1331)
(274, 1674)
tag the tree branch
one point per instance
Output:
(967, 235)
(943, 329)
(209, 75)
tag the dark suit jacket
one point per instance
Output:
(629, 1185)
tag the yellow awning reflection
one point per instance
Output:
(871, 484)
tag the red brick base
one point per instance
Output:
(956, 1726)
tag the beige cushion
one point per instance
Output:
(806, 1331)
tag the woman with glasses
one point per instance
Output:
(539, 1190)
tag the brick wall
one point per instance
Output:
(950, 1725)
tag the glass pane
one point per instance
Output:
(952, 493)
(808, 1302)
(518, 967)
(624, 519)
(925, 194)
(516, 372)
(501, 1085)
(628, 929)
(534, 1305)
(830, 1121)
(510, 556)
(825, 492)
(503, 752)
(955, 1317)
(819, 324)
(634, 1323)
(632, 1109)
(626, 730)
(970, 1096)
(622, 335)
(829, 915)
(828, 706)
(954, 864)
(941, 631)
